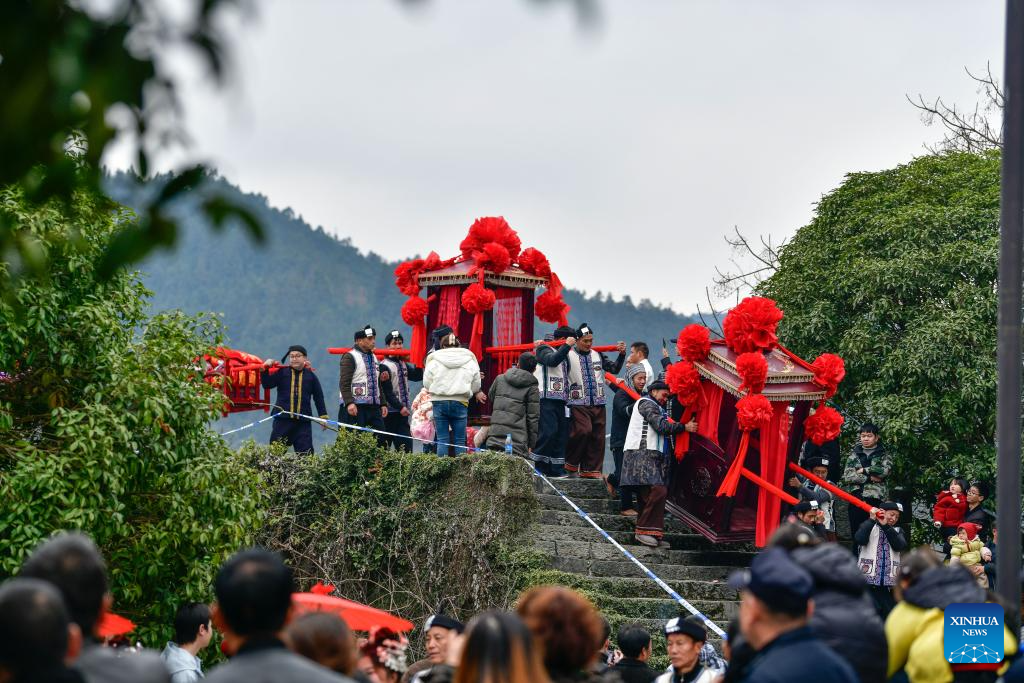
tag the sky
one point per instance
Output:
(625, 149)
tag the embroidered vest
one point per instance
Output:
(551, 381)
(398, 372)
(365, 386)
(639, 435)
(586, 379)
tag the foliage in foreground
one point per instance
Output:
(412, 534)
(104, 425)
(897, 273)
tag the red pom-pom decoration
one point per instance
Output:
(753, 370)
(477, 299)
(491, 229)
(823, 426)
(550, 307)
(829, 371)
(534, 262)
(414, 310)
(694, 343)
(407, 276)
(684, 381)
(751, 325)
(493, 257)
(753, 411)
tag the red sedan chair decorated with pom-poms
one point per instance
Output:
(753, 401)
(486, 295)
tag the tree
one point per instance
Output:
(966, 130)
(104, 422)
(897, 274)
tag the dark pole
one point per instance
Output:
(1008, 416)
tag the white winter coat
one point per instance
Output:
(451, 375)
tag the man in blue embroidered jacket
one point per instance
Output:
(584, 454)
(297, 387)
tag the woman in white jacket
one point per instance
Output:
(452, 376)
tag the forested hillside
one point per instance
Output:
(304, 286)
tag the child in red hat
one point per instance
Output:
(969, 551)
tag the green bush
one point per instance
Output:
(412, 534)
(104, 423)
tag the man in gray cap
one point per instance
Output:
(775, 605)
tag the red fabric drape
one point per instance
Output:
(707, 417)
(774, 446)
(450, 307)
(507, 325)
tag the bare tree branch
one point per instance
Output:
(965, 130)
(751, 265)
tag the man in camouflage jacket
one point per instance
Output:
(866, 472)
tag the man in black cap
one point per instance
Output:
(774, 610)
(807, 513)
(881, 541)
(362, 399)
(821, 495)
(584, 454)
(36, 634)
(395, 374)
(439, 631)
(297, 389)
(685, 638)
(552, 375)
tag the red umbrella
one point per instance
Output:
(358, 616)
(114, 625)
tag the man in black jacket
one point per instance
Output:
(552, 375)
(976, 514)
(622, 410)
(635, 645)
(297, 388)
(881, 541)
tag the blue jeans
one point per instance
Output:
(450, 415)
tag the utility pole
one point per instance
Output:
(1011, 228)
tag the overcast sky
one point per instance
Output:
(624, 152)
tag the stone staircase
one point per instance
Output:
(581, 558)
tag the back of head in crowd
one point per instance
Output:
(499, 649)
(325, 639)
(527, 361)
(72, 563)
(449, 341)
(632, 640)
(792, 536)
(254, 593)
(775, 596)
(914, 564)
(36, 632)
(191, 622)
(567, 627)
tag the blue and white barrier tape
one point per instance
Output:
(651, 575)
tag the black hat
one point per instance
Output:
(393, 335)
(564, 331)
(367, 331)
(777, 581)
(437, 335)
(583, 330)
(890, 505)
(656, 384)
(691, 626)
(443, 621)
(869, 428)
(294, 347)
(811, 463)
(806, 506)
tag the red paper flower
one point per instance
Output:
(493, 257)
(829, 371)
(534, 262)
(751, 325)
(407, 276)
(491, 229)
(823, 426)
(694, 343)
(753, 370)
(753, 411)
(477, 299)
(684, 381)
(414, 310)
(550, 307)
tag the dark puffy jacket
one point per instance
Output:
(844, 617)
(622, 409)
(515, 410)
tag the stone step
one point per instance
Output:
(718, 611)
(550, 501)
(630, 587)
(602, 550)
(607, 522)
(574, 488)
(625, 568)
(679, 541)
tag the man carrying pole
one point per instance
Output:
(297, 386)
(395, 375)
(362, 401)
(585, 452)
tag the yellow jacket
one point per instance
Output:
(968, 552)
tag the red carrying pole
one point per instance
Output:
(338, 350)
(835, 490)
(769, 487)
(530, 347)
(612, 379)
